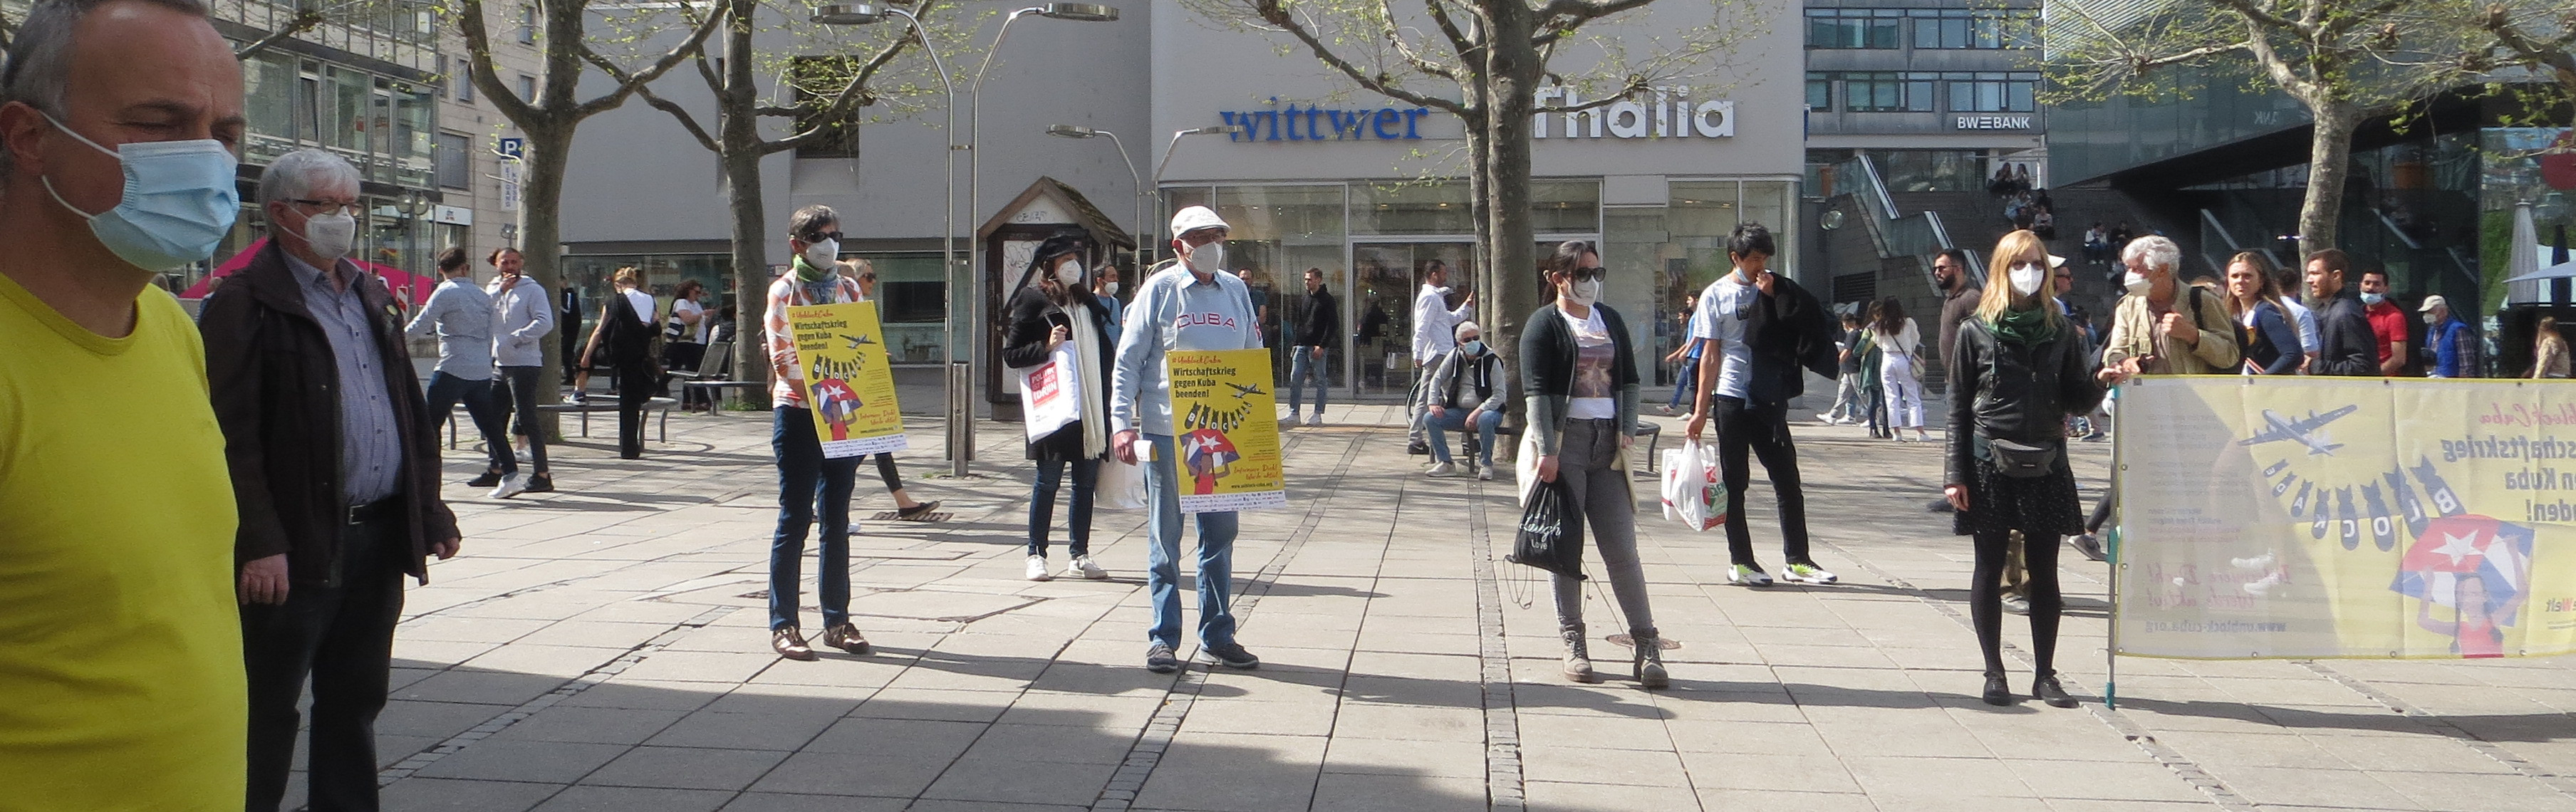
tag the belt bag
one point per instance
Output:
(2022, 460)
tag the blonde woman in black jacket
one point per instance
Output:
(2019, 372)
(1582, 379)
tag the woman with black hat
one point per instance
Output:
(1055, 309)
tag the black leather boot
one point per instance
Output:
(1649, 663)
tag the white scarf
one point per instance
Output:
(1086, 350)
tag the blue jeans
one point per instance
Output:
(1086, 481)
(1302, 365)
(1455, 419)
(490, 417)
(1685, 382)
(808, 482)
(1163, 572)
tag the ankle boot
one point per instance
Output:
(1649, 664)
(1578, 654)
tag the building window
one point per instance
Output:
(1855, 28)
(1965, 29)
(527, 25)
(1991, 92)
(455, 161)
(1887, 92)
(528, 88)
(1820, 92)
(464, 79)
(816, 79)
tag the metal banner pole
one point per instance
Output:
(2119, 566)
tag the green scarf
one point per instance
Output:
(2027, 327)
(807, 273)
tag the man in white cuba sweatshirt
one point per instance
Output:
(1190, 304)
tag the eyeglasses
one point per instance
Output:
(1589, 274)
(867, 277)
(819, 236)
(333, 207)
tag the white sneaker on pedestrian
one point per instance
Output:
(523, 457)
(1295, 419)
(510, 486)
(1316, 419)
(1444, 469)
(1486, 473)
(1747, 575)
(1038, 569)
(1807, 573)
(1081, 567)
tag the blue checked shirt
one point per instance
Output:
(370, 444)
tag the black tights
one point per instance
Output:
(1985, 598)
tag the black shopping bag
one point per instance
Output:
(1543, 541)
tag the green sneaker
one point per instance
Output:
(1747, 575)
(1808, 573)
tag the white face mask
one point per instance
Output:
(1110, 288)
(1209, 258)
(2136, 283)
(822, 254)
(331, 235)
(1585, 291)
(1069, 272)
(2027, 277)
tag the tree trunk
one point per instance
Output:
(541, 245)
(2329, 162)
(1512, 71)
(738, 134)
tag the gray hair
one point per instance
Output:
(296, 174)
(1464, 328)
(2156, 251)
(40, 53)
(810, 219)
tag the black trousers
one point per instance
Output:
(341, 634)
(1764, 430)
(635, 386)
(521, 395)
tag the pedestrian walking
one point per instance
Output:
(626, 328)
(1959, 296)
(906, 508)
(1465, 394)
(1058, 309)
(1317, 325)
(2270, 340)
(810, 485)
(526, 314)
(121, 683)
(2021, 373)
(684, 332)
(1847, 390)
(2347, 345)
(1190, 305)
(1104, 289)
(1434, 332)
(2548, 350)
(1582, 407)
(335, 476)
(461, 315)
(1745, 381)
(1900, 365)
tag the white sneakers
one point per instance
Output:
(510, 486)
(1443, 469)
(1081, 567)
(1316, 419)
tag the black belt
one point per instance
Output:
(379, 510)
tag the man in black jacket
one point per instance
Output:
(1316, 327)
(2345, 344)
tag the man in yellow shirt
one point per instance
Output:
(120, 652)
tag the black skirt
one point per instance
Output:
(2040, 505)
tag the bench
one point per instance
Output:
(709, 377)
(662, 427)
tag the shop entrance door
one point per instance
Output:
(1385, 277)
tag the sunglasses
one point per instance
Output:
(819, 236)
(1589, 274)
(867, 277)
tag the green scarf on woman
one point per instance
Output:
(2028, 327)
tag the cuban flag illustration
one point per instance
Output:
(837, 404)
(2452, 548)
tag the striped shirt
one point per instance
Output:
(786, 377)
(370, 444)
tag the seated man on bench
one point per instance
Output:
(1464, 390)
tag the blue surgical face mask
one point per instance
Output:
(1474, 348)
(179, 201)
(2373, 298)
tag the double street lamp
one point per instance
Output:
(1144, 242)
(961, 402)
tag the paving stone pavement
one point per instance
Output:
(603, 648)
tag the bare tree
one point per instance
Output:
(1484, 62)
(2534, 39)
(828, 92)
(2343, 62)
(549, 120)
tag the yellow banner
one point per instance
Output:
(2346, 517)
(1225, 424)
(849, 381)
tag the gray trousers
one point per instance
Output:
(1586, 459)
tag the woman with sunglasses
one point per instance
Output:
(1582, 379)
(2019, 370)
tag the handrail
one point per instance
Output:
(2210, 226)
(1920, 235)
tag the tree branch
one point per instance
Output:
(1395, 39)
(1272, 12)
(687, 121)
(1636, 85)
(1458, 39)
(2259, 17)
(627, 83)
(479, 70)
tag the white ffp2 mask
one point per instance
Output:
(2027, 277)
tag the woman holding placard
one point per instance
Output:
(1058, 338)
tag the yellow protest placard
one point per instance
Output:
(849, 381)
(2344, 517)
(1225, 425)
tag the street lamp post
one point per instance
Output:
(1174, 144)
(1142, 230)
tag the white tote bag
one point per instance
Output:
(1051, 393)
(1122, 486)
(1692, 493)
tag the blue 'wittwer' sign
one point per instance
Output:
(1311, 123)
